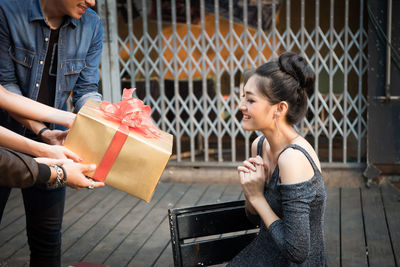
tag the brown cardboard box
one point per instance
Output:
(138, 165)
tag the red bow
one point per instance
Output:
(132, 113)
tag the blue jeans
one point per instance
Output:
(44, 209)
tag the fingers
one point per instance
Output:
(260, 169)
(87, 168)
(249, 165)
(93, 183)
(71, 155)
(243, 169)
(257, 160)
(62, 134)
(98, 184)
(241, 175)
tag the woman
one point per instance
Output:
(282, 182)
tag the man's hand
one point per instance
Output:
(54, 137)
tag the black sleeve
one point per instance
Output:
(44, 174)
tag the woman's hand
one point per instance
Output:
(49, 161)
(76, 172)
(252, 178)
(76, 175)
(58, 152)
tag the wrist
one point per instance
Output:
(41, 131)
(53, 175)
(40, 149)
(70, 118)
(257, 202)
(58, 176)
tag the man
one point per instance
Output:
(49, 50)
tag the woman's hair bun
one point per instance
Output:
(296, 66)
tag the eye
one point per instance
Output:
(250, 100)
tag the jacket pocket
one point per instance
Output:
(22, 56)
(74, 66)
(23, 61)
(71, 70)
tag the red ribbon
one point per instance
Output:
(132, 114)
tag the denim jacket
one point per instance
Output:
(24, 36)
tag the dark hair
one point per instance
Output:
(287, 79)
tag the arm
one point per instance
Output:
(22, 144)
(27, 108)
(244, 169)
(17, 169)
(86, 86)
(7, 73)
(249, 207)
(291, 233)
(22, 171)
(75, 173)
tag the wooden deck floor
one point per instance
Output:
(110, 227)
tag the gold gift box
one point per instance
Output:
(141, 161)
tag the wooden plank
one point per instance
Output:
(14, 200)
(84, 206)
(114, 239)
(15, 242)
(353, 249)
(391, 201)
(332, 226)
(91, 238)
(11, 231)
(166, 258)
(379, 248)
(71, 215)
(159, 240)
(90, 218)
(212, 194)
(73, 198)
(231, 192)
(135, 240)
(14, 211)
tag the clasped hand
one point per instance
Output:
(252, 174)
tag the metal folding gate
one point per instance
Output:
(186, 57)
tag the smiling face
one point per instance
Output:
(257, 111)
(75, 8)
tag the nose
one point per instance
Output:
(91, 3)
(242, 105)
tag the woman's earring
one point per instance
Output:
(276, 124)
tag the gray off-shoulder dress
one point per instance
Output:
(297, 238)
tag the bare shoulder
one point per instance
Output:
(294, 167)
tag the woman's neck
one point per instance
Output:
(278, 139)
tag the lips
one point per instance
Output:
(245, 117)
(82, 8)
